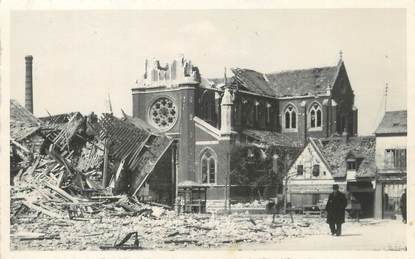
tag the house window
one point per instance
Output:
(315, 116)
(316, 170)
(351, 165)
(290, 116)
(300, 170)
(208, 162)
(395, 158)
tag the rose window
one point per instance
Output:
(163, 113)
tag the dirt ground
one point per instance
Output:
(368, 234)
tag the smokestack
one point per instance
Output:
(29, 84)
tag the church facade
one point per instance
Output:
(207, 117)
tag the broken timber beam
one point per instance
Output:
(20, 146)
(61, 192)
(42, 210)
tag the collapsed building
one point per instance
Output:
(93, 153)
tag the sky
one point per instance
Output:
(81, 57)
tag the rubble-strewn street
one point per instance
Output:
(167, 231)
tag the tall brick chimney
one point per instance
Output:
(29, 84)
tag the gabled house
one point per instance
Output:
(346, 161)
(391, 144)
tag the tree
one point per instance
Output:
(256, 166)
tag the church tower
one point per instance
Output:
(165, 99)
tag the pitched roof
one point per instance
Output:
(22, 122)
(393, 122)
(272, 137)
(288, 83)
(253, 81)
(303, 82)
(335, 150)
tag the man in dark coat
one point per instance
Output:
(403, 206)
(335, 210)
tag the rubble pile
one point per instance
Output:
(253, 204)
(73, 185)
(49, 213)
(157, 228)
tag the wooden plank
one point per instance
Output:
(61, 192)
(39, 209)
(20, 146)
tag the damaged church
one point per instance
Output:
(206, 118)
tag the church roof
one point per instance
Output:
(300, 82)
(336, 150)
(393, 122)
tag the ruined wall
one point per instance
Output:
(175, 81)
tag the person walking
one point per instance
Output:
(403, 206)
(335, 207)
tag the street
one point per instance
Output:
(368, 234)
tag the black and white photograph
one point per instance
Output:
(207, 129)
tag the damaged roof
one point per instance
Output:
(141, 124)
(336, 150)
(393, 122)
(138, 147)
(22, 122)
(58, 118)
(272, 137)
(300, 82)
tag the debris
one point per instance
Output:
(40, 209)
(34, 236)
(122, 244)
(61, 190)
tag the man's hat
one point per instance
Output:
(335, 187)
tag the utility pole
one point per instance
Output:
(386, 95)
(286, 162)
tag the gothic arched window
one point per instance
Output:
(315, 116)
(208, 166)
(290, 117)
